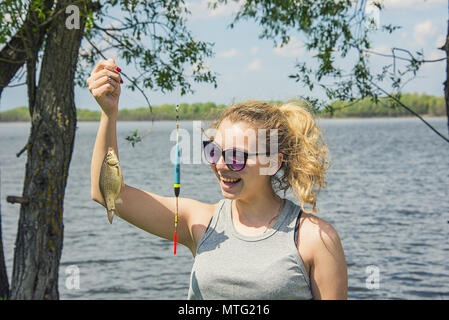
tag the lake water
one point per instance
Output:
(387, 196)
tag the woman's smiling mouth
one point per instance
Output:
(228, 183)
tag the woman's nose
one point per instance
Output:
(221, 164)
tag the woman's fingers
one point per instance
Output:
(104, 85)
(105, 64)
(105, 68)
(104, 73)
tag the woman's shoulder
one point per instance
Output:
(200, 209)
(317, 225)
(317, 236)
(202, 212)
(324, 258)
(313, 226)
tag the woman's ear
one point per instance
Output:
(280, 162)
(275, 163)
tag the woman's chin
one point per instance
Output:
(231, 190)
(229, 195)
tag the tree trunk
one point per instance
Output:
(40, 232)
(446, 83)
(4, 286)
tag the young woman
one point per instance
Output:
(252, 244)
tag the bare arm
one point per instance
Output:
(148, 211)
(107, 95)
(155, 214)
(323, 250)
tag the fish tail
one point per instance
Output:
(111, 214)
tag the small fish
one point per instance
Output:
(111, 181)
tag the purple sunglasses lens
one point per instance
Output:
(212, 152)
(235, 159)
(236, 167)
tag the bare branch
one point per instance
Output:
(410, 110)
(402, 58)
(16, 85)
(131, 26)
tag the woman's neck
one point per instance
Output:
(256, 211)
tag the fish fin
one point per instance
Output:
(123, 183)
(118, 201)
(111, 214)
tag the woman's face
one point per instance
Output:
(252, 179)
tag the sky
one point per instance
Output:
(252, 68)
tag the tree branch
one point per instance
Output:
(14, 53)
(15, 85)
(402, 58)
(410, 110)
(4, 284)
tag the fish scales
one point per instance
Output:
(111, 181)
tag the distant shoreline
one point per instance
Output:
(424, 105)
(319, 118)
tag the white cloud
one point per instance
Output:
(254, 50)
(201, 69)
(201, 11)
(412, 4)
(225, 10)
(373, 15)
(423, 31)
(227, 54)
(254, 66)
(292, 49)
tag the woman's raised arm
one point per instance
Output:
(107, 94)
(146, 210)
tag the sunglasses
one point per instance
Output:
(235, 159)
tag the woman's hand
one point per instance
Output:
(104, 84)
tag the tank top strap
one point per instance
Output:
(291, 214)
(290, 226)
(298, 220)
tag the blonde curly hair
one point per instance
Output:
(300, 141)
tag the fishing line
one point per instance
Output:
(177, 178)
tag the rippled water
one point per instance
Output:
(387, 196)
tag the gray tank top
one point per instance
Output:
(229, 265)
